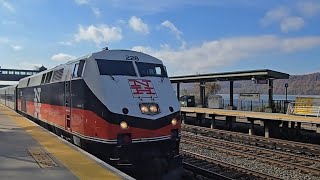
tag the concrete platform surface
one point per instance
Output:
(28, 151)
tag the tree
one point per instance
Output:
(210, 88)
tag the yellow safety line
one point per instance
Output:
(79, 164)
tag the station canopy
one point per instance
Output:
(231, 76)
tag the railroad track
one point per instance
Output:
(279, 159)
(311, 150)
(216, 169)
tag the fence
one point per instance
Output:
(280, 106)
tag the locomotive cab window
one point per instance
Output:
(149, 69)
(111, 67)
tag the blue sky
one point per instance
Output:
(190, 36)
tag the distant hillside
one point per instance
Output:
(308, 84)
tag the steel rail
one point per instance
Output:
(283, 161)
(308, 149)
(246, 171)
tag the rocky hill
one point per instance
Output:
(308, 84)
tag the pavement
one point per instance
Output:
(28, 151)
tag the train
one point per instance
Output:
(116, 104)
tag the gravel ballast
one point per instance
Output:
(250, 164)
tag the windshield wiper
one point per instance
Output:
(111, 76)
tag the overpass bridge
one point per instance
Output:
(17, 74)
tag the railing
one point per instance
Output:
(279, 106)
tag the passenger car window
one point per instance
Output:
(75, 70)
(48, 77)
(43, 78)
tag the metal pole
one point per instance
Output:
(231, 93)
(270, 104)
(286, 85)
(203, 94)
(178, 91)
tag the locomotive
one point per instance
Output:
(116, 104)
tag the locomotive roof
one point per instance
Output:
(117, 54)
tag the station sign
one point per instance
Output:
(261, 81)
(249, 96)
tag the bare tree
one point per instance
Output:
(210, 88)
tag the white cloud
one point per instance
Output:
(309, 8)
(96, 11)
(283, 17)
(275, 15)
(175, 31)
(98, 34)
(62, 57)
(81, 2)
(138, 25)
(301, 43)
(16, 47)
(27, 65)
(7, 5)
(214, 54)
(172, 28)
(291, 23)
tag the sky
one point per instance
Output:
(189, 36)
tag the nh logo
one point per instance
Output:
(37, 103)
(142, 88)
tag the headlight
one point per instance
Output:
(144, 109)
(153, 108)
(123, 125)
(174, 121)
(149, 108)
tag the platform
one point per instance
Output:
(28, 151)
(250, 114)
(270, 121)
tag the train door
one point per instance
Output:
(16, 98)
(23, 102)
(68, 102)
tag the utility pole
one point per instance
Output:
(286, 86)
